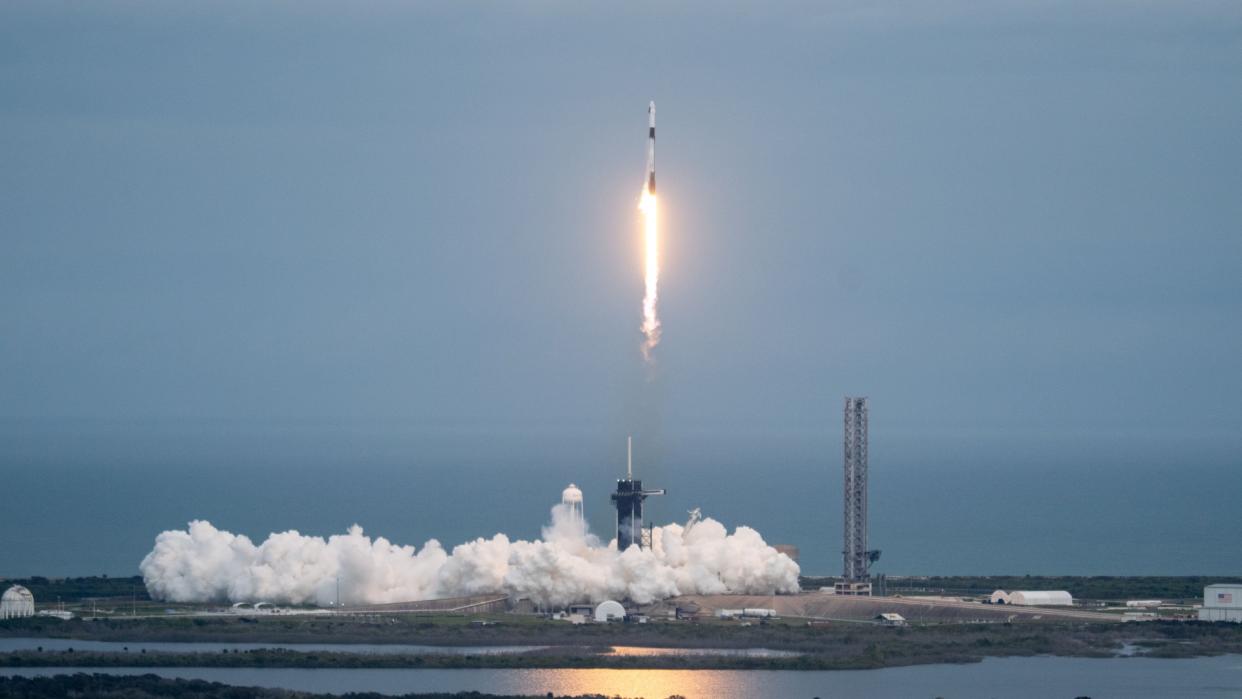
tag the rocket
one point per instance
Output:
(651, 149)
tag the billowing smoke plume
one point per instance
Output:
(567, 565)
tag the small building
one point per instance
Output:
(609, 610)
(1041, 598)
(1143, 603)
(16, 602)
(1220, 603)
(999, 597)
(891, 619)
(857, 588)
(688, 611)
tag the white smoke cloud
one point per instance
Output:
(567, 565)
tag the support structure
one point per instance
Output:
(856, 580)
(629, 501)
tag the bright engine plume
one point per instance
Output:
(648, 204)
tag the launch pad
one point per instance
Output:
(629, 502)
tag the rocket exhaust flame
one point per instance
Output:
(651, 246)
(651, 320)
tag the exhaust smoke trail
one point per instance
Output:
(651, 238)
(651, 245)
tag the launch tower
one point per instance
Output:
(629, 500)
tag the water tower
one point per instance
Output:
(571, 498)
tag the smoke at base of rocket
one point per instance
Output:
(568, 565)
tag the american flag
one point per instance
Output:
(1225, 597)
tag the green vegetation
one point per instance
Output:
(151, 686)
(834, 647)
(47, 590)
(831, 646)
(1100, 587)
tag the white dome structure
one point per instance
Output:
(1041, 598)
(609, 610)
(16, 602)
(1000, 597)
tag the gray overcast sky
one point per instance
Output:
(1012, 218)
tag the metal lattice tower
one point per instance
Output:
(855, 551)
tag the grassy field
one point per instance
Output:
(150, 687)
(822, 647)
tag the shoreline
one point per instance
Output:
(850, 649)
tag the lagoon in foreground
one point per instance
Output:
(1037, 677)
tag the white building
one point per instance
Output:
(891, 619)
(1000, 597)
(16, 602)
(609, 610)
(1220, 603)
(1041, 598)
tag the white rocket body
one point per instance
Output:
(651, 149)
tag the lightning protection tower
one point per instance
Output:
(855, 579)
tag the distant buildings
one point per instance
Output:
(1220, 603)
(1034, 598)
(16, 602)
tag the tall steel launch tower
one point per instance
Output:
(629, 500)
(858, 558)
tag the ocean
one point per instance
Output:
(83, 497)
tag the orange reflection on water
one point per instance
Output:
(649, 684)
(642, 651)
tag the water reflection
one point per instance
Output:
(1013, 678)
(651, 684)
(727, 652)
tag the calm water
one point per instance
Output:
(1020, 678)
(96, 494)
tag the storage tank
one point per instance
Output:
(16, 602)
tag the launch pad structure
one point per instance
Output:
(629, 502)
